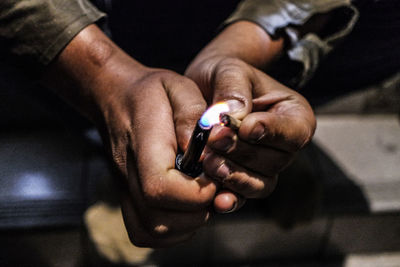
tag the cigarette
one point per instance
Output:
(229, 121)
(188, 162)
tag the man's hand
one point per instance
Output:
(143, 115)
(277, 121)
(162, 206)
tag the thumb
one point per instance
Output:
(232, 82)
(188, 105)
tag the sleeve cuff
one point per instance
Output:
(35, 31)
(66, 35)
(277, 17)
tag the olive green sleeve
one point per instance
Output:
(279, 17)
(35, 31)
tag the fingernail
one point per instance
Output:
(223, 144)
(258, 132)
(232, 209)
(235, 105)
(223, 171)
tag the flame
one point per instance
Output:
(211, 116)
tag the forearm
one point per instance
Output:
(33, 32)
(243, 40)
(134, 106)
(83, 72)
(311, 29)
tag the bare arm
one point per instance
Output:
(143, 114)
(276, 122)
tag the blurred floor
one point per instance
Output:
(361, 134)
(46, 247)
(63, 248)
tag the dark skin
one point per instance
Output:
(125, 100)
(277, 121)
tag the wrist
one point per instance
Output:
(246, 41)
(87, 71)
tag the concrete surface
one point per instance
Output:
(373, 260)
(367, 149)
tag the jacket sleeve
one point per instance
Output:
(278, 17)
(35, 31)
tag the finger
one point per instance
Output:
(238, 179)
(231, 82)
(164, 223)
(154, 143)
(158, 222)
(227, 201)
(140, 236)
(281, 117)
(187, 104)
(261, 159)
(273, 129)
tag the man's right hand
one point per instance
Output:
(143, 115)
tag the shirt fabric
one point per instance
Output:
(278, 17)
(35, 31)
(365, 58)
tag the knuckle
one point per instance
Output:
(119, 159)
(304, 137)
(230, 63)
(165, 73)
(269, 187)
(229, 68)
(226, 74)
(190, 113)
(205, 198)
(171, 77)
(153, 190)
(252, 186)
(307, 136)
(230, 79)
(186, 82)
(150, 235)
(161, 75)
(258, 192)
(237, 184)
(158, 230)
(196, 110)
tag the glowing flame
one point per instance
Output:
(211, 116)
